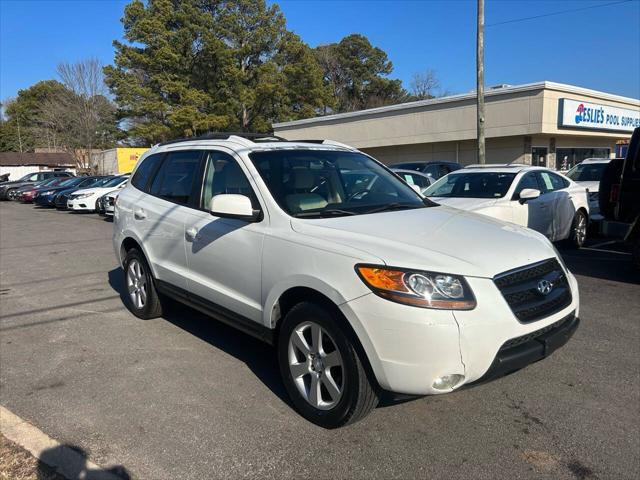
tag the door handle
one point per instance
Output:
(191, 234)
(139, 214)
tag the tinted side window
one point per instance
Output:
(528, 181)
(174, 179)
(551, 182)
(224, 175)
(145, 170)
(433, 171)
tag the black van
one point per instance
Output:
(620, 197)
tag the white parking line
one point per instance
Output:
(605, 251)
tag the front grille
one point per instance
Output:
(520, 288)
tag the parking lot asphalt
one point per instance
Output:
(187, 397)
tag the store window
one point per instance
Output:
(568, 157)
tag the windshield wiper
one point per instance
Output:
(393, 206)
(331, 212)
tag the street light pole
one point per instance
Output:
(480, 81)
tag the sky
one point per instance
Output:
(596, 48)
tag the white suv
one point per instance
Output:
(361, 286)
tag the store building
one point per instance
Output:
(545, 123)
(116, 160)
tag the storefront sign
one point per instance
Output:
(593, 116)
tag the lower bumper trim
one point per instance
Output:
(512, 358)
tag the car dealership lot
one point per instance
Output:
(187, 397)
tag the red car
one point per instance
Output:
(26, 194)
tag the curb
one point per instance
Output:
(64, 459)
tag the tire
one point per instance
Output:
(142, 298)
(344, 391)
(11, 194)
(579, 227)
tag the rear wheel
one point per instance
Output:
(142, 298)
(578, 233)
(321, 368)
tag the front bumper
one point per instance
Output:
(86, 204)
(408, 347)
(519, 352)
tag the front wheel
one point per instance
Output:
(11, 194)
(578, 233)
(321, 368)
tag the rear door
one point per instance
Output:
(562, 207)
(225, 255)
(159, 216)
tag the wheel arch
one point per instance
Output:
(296, 294)
(129, 242)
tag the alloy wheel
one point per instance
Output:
(137, 284)
(581, 229)
(316, 365)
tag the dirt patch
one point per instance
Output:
(18, 464)
(541, 460)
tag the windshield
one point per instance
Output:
(587, 172)
(321, 183)
(472, 185)
(113, 182)
(71, 182)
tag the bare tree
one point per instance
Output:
(85, 83)
(424, 85)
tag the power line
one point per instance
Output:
(556, 13)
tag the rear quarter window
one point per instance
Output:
(145, 170)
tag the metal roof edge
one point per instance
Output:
(459, 97)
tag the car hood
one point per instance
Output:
(465, 203)
(13, 183)
(92, 191)
(440, 239)
(592, 186)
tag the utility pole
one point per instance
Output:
(480, 81)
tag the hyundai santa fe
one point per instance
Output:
(362, 287)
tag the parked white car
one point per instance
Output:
(361, 285)
(418, 181)
(85, 200)
(109, 204)
(533, 197)
(588, 174)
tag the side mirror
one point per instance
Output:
(233, 206)
(529, 194)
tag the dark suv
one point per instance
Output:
(435, 170)
(8, 189)
(620, 197)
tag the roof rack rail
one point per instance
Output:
(326, 142)
(226, 136)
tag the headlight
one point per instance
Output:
(82, 195)
(49, 192)
(417, 288)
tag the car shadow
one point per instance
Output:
(71, 462)
(612, 262)
(259, 357)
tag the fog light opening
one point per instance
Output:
(447, 382)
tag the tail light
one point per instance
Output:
(615, 192)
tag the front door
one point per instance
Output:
(536, 213)
(539, 156)
(225, 255)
